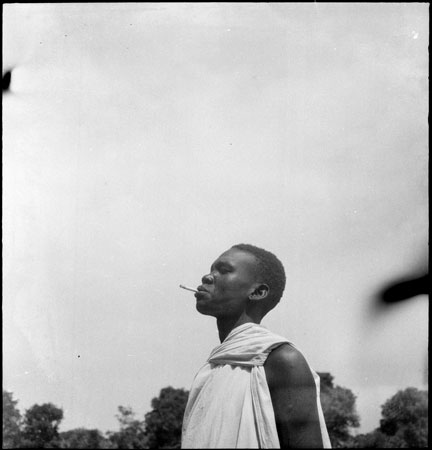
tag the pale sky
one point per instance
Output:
(141, 140)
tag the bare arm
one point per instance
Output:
(293, 393)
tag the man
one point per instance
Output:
(256, 389)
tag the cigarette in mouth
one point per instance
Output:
(188, 288)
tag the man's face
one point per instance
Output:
(225, 290)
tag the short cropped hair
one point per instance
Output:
(269, 269)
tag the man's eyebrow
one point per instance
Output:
(217, 264)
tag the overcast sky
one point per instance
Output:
(141, 140)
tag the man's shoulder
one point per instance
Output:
(286, 364)
(285, 355)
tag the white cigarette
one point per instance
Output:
(188, 288)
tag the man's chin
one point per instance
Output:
(201, 308)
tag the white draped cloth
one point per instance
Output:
(229, 404)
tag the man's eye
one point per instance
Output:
(224, 270)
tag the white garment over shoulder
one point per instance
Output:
(229, 404)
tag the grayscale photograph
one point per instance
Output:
(215, 225)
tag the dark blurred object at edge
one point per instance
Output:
(6, 80)
(404, 289)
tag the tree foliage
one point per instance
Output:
(40, 426)
(132, 430)
(404, 422)
(377, 439)
(405, 415)
(163, 424)
(11, 421)
(339, 410)
(83, 438)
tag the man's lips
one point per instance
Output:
(201, 291)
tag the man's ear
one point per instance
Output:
(260, 292)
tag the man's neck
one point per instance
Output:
(227, 324)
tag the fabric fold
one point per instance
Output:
(229, 404)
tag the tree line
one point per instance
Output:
(403, 424)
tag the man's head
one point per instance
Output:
(245, 278)
(269, 270)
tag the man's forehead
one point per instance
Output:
(236, 256)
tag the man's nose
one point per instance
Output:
(207, 279)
